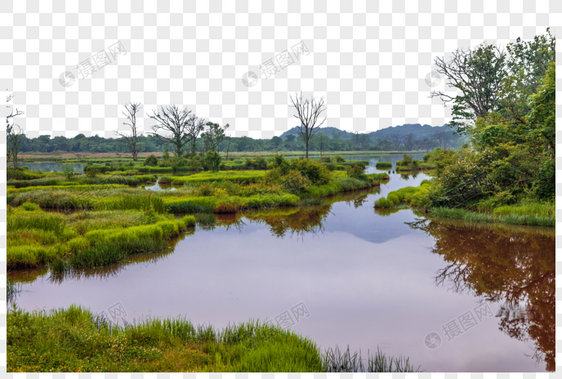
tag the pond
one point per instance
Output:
(53, 166)
(451, 296)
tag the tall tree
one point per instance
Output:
(195, 127)
(478, 75)
(308, 112)
(131, 139)
(14, 139)
(213, 136)
(176, 123)
(14, 135)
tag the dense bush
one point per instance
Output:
(314, 171)
(151, 160)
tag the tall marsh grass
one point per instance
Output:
(73, 339)
(336, 361)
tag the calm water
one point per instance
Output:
(53, 166)
(343, 274)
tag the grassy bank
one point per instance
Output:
(85, 239)
(538, 214)
(98, 224)
(74, 340)
(525, 212)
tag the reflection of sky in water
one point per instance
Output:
(52, 166)
(367, 280)
(158, 187)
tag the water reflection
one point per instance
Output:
(160, 187)
(53, 166)
(513, 265)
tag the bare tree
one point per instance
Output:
(14, 137)
(478, 75)
(178, 124)
(194, 128)
(130, 113)
(308, 112)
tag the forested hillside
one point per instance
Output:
(400, 138)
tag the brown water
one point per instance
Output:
(343, 274)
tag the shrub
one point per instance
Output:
(340, 159)
(316, 172)
(294, 182)
(383, 203)
(189, 221)
(28, 206)
(383, 165)
(356, 172)
(151, 160)
(406, 160)
(68, 170)
(212, 160)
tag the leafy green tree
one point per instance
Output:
(213, 136)
(477, 74)
(542, 118)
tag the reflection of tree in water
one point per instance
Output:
(301, 220)
(298, 220)
(513, 264)
(112, 270)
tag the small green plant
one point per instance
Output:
(92, 172)
(212, 160)
(68, 170)
(151, 160)
(383, 165)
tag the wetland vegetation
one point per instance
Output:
(76, 226)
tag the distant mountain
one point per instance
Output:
(419, 131)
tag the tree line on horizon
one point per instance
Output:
(395, 141)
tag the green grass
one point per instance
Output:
(404, 196)
(145, 179)
(507, 215)
(67, 187)
(74, 340)
(86, 239)
(383, 165)
(415, 165)
(235, 176)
